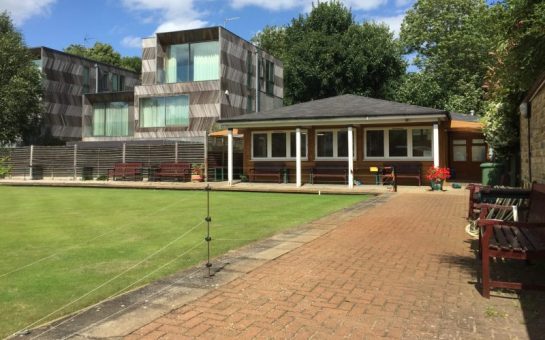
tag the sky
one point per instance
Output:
(122, 23)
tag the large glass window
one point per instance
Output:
(277, 144)
(324, 144)
(333, 144)
(478, 150)
(259, 145)
(342, 144)
(422, 142)
(398, 142)
(459, 150)
(164, 111)
(111, 119)
(293, 144)
(86, 79)
(192, 62)
(269, 77)
(375, 143)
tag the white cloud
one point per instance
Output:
(403, 3)
(394, 22)
(131, 41)
(279, 5)
(21, 10)
(171, 15)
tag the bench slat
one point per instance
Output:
(536, 242)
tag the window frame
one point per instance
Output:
(386, 131)
(105, 106)
(191, 70)
(335, 156)
(163, 98)
(269, 146)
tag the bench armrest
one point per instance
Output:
(485, 223)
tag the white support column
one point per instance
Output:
(230, 156)
(124, 153)
(206, 157)
(31, 161)
(298, 157)
(75, 161)
(350, 157)
(435, 145)
(176, 152)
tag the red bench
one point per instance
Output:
(267, 170)
(409, 170)
(330, 171)
(126, 172)
(175, 171)
(512, 240)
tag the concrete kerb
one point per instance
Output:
(126, 313)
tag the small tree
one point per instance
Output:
(20, 87)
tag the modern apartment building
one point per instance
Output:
(190, 79)
(66, 78)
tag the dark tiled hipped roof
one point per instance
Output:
(464, 117)
(345, 106)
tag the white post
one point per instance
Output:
(350, 157)
(435, 145)
(176, 152)
(206, 157)
(30, 162)
(298, 157)
(230, 156)
(75, 161)
(123, 154)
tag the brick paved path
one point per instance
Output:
(403, 269)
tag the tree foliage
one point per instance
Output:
(20, 86)
(105, 53)
(519, 57)
(326, 53)
(451, 40)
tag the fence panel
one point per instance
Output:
(97, 160)
(53, 161)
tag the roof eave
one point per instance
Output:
(427, 118)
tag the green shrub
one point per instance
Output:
(5, 168)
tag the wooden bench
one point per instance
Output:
(479, 194)
(267, 170)
(330, 171)
(126, 172)
(512, 240)
(406, 170)
(173, 171)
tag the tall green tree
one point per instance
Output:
(20, 86)
(107, 54)
(451, 41)
(519, 58)
(326, 53)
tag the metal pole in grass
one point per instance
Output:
(208, 219)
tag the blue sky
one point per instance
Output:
(58, 23)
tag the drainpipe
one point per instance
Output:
(96, 76)
(529, 115)
(257, 103)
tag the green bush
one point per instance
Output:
(5, 168)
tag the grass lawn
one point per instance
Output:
(57, 244)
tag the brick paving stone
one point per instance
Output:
(403, 269)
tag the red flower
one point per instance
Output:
(438, 174)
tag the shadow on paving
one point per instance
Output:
(532, 303)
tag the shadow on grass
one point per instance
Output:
(532, 302)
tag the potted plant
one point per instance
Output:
(197, 170)
(437, 177)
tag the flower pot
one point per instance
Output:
(196, 178)
(436, 185)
